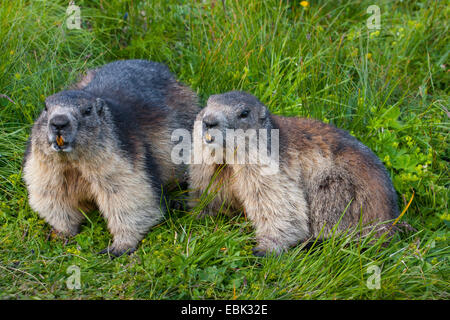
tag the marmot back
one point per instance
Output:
(106, 143)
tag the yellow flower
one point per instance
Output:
(304, 4)
(387, 161)
(369, 56)
(374, 34)
(73, 251)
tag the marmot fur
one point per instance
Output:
(106, 144)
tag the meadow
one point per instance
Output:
(388, 87)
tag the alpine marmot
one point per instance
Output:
(106, 144)
(323, 174)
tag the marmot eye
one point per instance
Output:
(244, 114)
(87, 111)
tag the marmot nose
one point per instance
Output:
(210, 123)
(59, 122)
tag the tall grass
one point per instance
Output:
(389, 88)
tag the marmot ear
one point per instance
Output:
(263, 114)
(99, 105)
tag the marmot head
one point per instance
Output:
(70, 119)
(233, 110)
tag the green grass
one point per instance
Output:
(388, 88)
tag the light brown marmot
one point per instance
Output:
(323, 171)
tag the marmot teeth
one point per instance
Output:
(60, 141)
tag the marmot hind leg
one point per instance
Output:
(332, 200)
